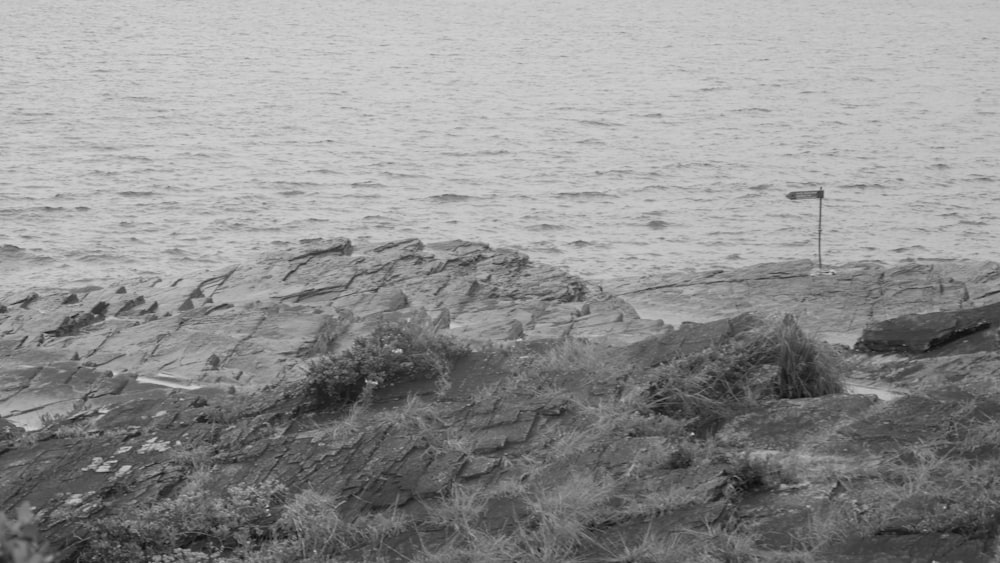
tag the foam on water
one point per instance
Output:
(610, 138)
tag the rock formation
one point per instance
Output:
(141, 385)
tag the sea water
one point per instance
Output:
(609, 137)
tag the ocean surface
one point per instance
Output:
(612, 137)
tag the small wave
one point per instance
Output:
(10, 249)
(940, 166)
(652, 115)
(598, 123)
(760, 187)
(465, 154)
(291, 193)
(692, 165)
(981, 178)
(100, 257)
(545, 227)
(325, 171)
(873, 186)
(581, 243)
(615, 171)
(367, 184)
(904, 249)
(752, 110)
(975, 223)
(402, 175)
(583, 195)
(449, 198)
(133, 193)
(290, 184)
(657, 224)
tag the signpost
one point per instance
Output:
(813, 194)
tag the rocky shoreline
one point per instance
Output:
(141, 368)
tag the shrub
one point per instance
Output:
(734, 373)
(393, 352)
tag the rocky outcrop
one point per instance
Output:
(837, 305)
(161, 377)
(253, 324)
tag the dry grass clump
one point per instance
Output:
(551, 525)
(807, 367)
(774, 360)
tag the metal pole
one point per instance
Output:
(819, 239)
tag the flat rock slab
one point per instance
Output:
(836, 306)
(942, 548)
(791, 423)
(946, 332)
(916, 420)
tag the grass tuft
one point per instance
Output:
(806, 366)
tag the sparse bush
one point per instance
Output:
(393, 352)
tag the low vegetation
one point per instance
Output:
(619, 471)
(392, 353)
(194, 525)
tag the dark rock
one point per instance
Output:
(791, 423)
(9, 430)
(938, 332)
(945, 548)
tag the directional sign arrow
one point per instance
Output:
(816, 194)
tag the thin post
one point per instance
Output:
(819, 238)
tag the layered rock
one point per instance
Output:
(153, 372)
(253, 324)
